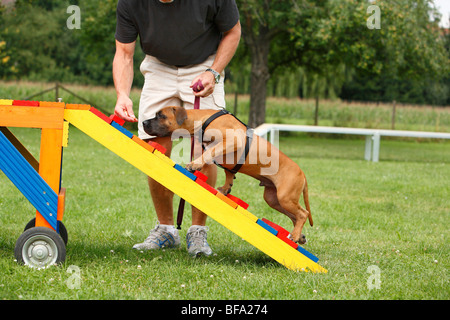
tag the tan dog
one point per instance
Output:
(225, 140)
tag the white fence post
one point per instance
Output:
(274, 137)
(376, 147)
(368, 150)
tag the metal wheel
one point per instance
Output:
(40, 247)
(62, 229)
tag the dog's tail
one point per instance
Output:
(306, 199)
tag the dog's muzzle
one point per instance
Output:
(154, 128)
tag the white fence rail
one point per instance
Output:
(372, 148)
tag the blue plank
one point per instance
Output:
(185, 172)
(28, 181)
(122, 129)
(11, 167)
(308, 254)
(267, 227)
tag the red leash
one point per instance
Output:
(198, 86)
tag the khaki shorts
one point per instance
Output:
(167, 85)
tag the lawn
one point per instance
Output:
(393, 215)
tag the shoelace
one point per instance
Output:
(197, 237)
(157, 235)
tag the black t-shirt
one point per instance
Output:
(180, 33)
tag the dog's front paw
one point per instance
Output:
(224, 190)
(301, 239)
(192, 166)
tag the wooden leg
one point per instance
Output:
(50, 164)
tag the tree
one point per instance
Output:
(329, 38)
(401, 60)
(5, 53)
(280, 35)
(257, 36)
(37, 44)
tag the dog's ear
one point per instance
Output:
(180, 115)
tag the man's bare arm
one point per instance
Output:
(123, 79)
(225, 52)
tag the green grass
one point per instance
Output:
(393, 214)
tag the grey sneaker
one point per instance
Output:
(196, 241)
(159, 238)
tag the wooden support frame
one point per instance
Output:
(50, 167)
(31, 117)
(49, 117)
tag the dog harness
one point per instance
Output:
(248, 140)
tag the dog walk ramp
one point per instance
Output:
(228, 211)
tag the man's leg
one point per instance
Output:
(198, 217)
(164, 235)
(197, 233)
(161, 196)
(158, 92)
(196, 237)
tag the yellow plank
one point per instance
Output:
(247, 214)
(31, 117)
(163, 157)
(5, 102)
(78, 106)
(65, 137)
(193, 193)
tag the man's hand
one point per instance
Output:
(124, 109)
(207, 80)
